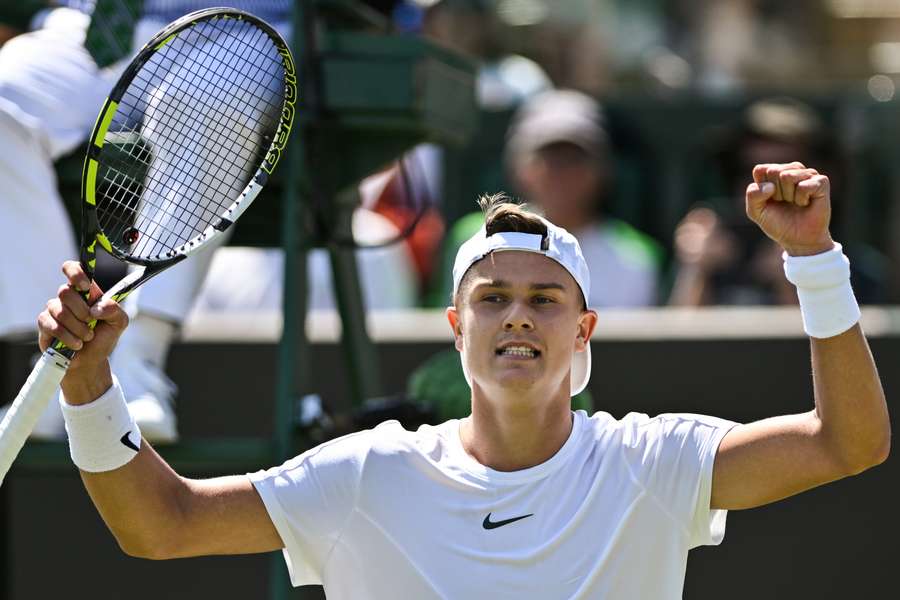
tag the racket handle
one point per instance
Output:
(23, 414)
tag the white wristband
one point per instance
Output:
(827, 302)
(102, 434)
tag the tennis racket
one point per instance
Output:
(184, 143)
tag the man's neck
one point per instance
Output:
(516, 439)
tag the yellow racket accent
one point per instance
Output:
(104, 123)
(91, 183)
(104, 241)
(165, 41)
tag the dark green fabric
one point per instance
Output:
(439, 384)
(110, 34)
(18, 13)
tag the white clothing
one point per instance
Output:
(389, 513)
(250, 279)
(623, 267)
(39, 230)
(40, 72)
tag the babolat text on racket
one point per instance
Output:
(183, 145)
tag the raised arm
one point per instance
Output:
(152, 511)
(848, 430)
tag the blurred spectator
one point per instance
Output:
(503, 81)
(250, 279)
(40, 72)
(407, 195)
(720, 256)
(558, 156)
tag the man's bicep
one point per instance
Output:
(226, 515)
(759, 463)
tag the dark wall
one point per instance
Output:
(832, 543)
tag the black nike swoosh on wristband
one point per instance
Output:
(488, 524)
(127, 441)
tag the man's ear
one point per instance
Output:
(587, 322)
(455, 326)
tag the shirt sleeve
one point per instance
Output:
(674, 455)
(309, 499)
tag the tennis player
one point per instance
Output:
(523, 498)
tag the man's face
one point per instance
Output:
(560, 178)
(519, 317)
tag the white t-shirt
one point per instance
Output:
(389, 513)
(624, 268)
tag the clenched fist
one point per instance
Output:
(792, 205)
(67, 319)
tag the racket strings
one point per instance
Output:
(189, 132)
(209, 137)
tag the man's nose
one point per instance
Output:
(518, 317)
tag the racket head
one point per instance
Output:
(187, 137)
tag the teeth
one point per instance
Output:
(518, 351)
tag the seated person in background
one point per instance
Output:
(251, 279)
(720, 257)
(558, 156)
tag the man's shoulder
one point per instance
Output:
(637, 427)
(385, 440)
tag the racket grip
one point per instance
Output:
(23, 414)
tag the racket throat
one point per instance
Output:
(136, 277)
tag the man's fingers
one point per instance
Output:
(772, 172)
(757, 196)
(110, 312)
(58, 323)
(76, 275)
(759, 173)
(79, 280)
(73, 301)
(64, 317)
(789, 179)
(769, 171)
(811, 189)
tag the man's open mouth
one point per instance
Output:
(518, 351)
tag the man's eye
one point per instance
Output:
(543, 300)
(495, 298)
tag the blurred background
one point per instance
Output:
(634, 124)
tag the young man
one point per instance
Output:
(523, 498)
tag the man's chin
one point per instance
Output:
(520, 383)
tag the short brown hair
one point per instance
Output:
(503, 213)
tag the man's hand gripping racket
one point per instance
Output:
(184, 143)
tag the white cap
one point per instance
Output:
(557, 116)
(559, 245)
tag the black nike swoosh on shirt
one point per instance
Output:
(127, 441)
(488, 524)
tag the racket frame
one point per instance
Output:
(91, 232)
(46, 376)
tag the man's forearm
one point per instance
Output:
(140, 503)
(850, 401)
(85, 384)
